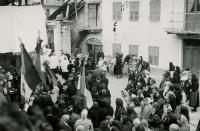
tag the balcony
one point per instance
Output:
(90, 29)
(184, 24)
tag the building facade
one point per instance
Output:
(186, 26)
(58, 28)
(139, 27)
(83, 26)
(161, 31)
(86, 32)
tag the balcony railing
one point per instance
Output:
(185, 23)
(90, 29)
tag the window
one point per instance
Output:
(117, 11)
(155, 7)
(193, 5)
(154, 55)
(134, 10)
(48, 12)
(133, 49)
(93, 15)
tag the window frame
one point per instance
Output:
(117, 11)
(97, 15)
(132, 17)
(153, 17)
(153, 55)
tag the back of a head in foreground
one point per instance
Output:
(174, 127)
(80, 128)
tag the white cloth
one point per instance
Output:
(185, 75)
(64, 62)
(54, 62)
(100, 63)
(23, 22)
(184, 99)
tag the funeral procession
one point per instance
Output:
(99, 65)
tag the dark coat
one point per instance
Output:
(105, 109)
(154, 121)
(43, 101)
(118, 66)
(119, 109)
(93, 114)
(169, 119)
(194, 94)
(126, 127)
(100, 55)
(176, 78)
(104, 93)
(131, 77)
(127, 58)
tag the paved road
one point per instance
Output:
(116, 85)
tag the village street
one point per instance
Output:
(117, 85)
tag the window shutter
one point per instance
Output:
(154, 55)
(93, 11)
(114, 11)
(134, 10)
(117, 12)
(155, 8)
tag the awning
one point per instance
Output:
(23, 22)
(94, 41)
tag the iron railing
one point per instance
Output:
(185, 22)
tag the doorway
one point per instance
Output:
(191, 56)
(94, 45)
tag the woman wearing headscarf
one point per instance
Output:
(154, 119)
(183, 119)
(118, 66)
(168, 117)
(119, 109)
(194, 93)
(176, 76)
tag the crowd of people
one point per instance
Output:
(148, 107)
(120, 67)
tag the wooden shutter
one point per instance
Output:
(155, 8)
(114, 11)
(154, 55)
(117, 12)
(134, 10)
(92, 15)
(151, 55)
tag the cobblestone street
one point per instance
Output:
(116, 85)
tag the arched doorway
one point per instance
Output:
(95, 45)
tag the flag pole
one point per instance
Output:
(22, 70)
(76, 10)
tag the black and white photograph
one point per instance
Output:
(99, 65)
